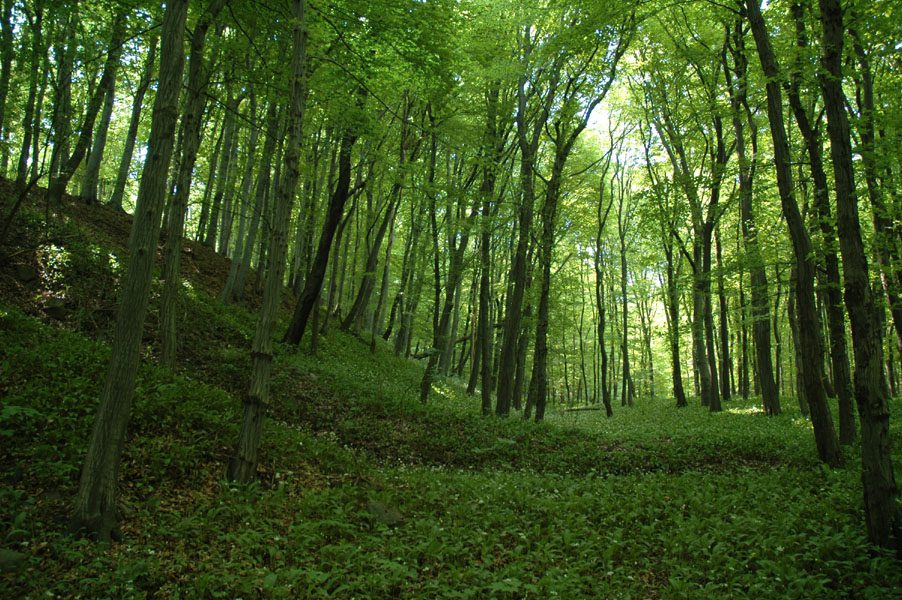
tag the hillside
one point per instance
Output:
(363, 491)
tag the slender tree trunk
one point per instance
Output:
(37, 165)
(314, 283)
(452, 282)
(243, 463)
(538, 385)
(809, 321)
(888, 241)
(699, 351)
(245, 238)
(62, 102)
(6, 62)
(528, 141)
(227, 213)
(95, 510)
(673, 306)
(204, 219)
(726, 362)
(68, 164)
(91, 178)
(760, 307)
(175, 226)
(29, 125)
(710, 353)
(222, 177)
(792, 310)
(778, 338)
(131, 136)
(367, 285)
(337, 260)
(842, 378)
(259, 202)
(882, 512)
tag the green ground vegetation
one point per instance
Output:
(366, 493)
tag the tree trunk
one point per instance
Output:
(131, 136)
(175, 227)
(6, 61)
(242, 466)
(67, 165)
(452, 285)
(62, 102)
(259, 202)
(760, 307)
(627, 392)
(244, 238)
(673, 306)
(528, 141)
(367, 285)
(95, 509)
(91, 178)
(29, 123)
(222, 177)
(792, 310)
(839, 359)
(726, 363)
(809, 321)
(888, 241)
(883, 515)
(314, 283)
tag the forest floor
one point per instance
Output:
(366, 493)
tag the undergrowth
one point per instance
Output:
(364, 492)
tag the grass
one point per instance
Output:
(366, 493)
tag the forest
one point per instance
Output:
(450, 298)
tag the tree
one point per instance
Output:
(66, 165)
(242, 466)
(809, 321)
(744, 120)
(95, 512)
(883, 515)
(190, 141)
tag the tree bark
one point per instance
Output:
(175, 226)
(242, 466)
(68, 164)
(131, 136)
(95, 511)
(882, 513)
(809, 321)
